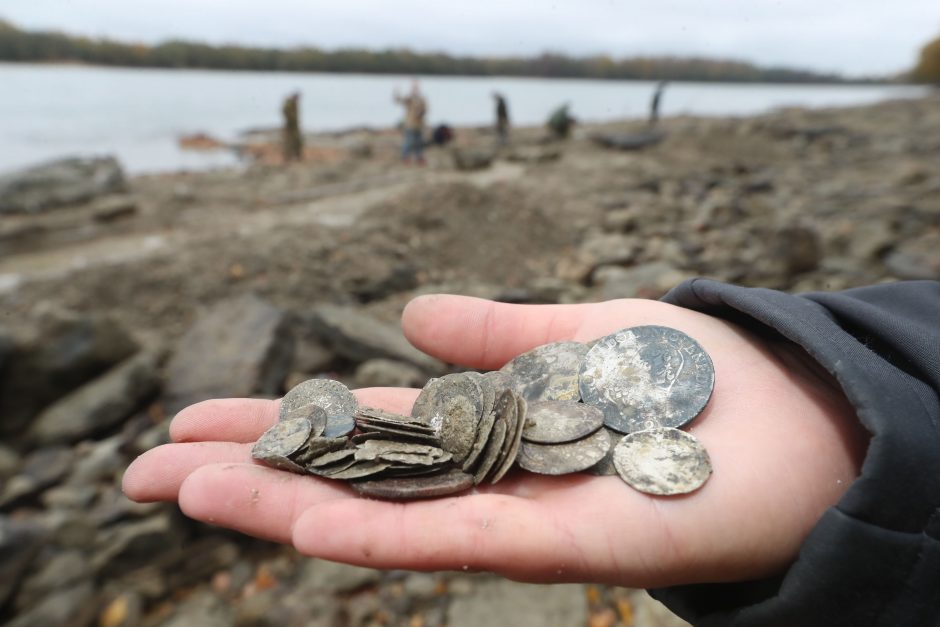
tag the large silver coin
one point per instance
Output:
(277, 444)
(662, 461)
(555, 422)
(645, 377)
(548, 372)
(563, 459)
(332, 396)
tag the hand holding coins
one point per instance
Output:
(637, 386)
(781, 439)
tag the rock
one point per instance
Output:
(9, 462)
(41, 469)
(73, 497)
(102, 403)
(74, 607)
(136, 543)
(59, 183)
(323, 576)
(628, 141)
(650, 280)
(917, 258)
(151, 438)
(59, 571)
(310, 355)
(501, 602)
(239, 347)
(125, 610)
(621, 220)
(115, 208)
(604, 250)
(98, 462)
(466, 159)
(203, 609)
(63, 352)
(534, 154)
(360, 337)
(798, 247)
(388, 373)
(20, 541)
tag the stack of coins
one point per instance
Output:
(612, 407)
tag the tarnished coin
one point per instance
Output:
(333, 457)
(605, 467)
(555, 422)
(645, 377)
(494, 446)
(314, 413)
(662, 461)
(277, 444)
(562, 459)
(360, 470)
(338, 425)
(421, 487)
(488, 392)
(451, 386)
(499, 380)
(318, 446)
(483, 435)
(516, 415)
(332, 396)
(402, 436)
(548, 372)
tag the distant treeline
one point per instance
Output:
(20, 45)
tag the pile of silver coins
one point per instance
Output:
(613, 406)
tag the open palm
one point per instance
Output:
(784, 446)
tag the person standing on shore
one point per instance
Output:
(654, 103)
(293, 144)
(502, 118)
(413, 127)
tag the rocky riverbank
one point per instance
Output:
(124, 303)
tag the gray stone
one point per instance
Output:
(41, 469)
(467, 159)
(74, 607)
(203, 609)
(74, 497)
(650, 280)
(388, 373)
(501, 602)
(20, 541)
(323, 576)
(798, 248)
(58, 571)
(360, 337)
(239, 347)
(136, 543)
(114, 208)
(98, 461)
(59, 183)
(917, 258)
(63, 352)
(152, 438)
(9, 462)
(102, 403)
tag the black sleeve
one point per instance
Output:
(874, 558)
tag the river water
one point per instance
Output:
(49, 111)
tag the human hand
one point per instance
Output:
(783, 441)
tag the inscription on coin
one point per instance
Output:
(645, 377)
(662, 461)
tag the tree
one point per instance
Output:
(928, 68)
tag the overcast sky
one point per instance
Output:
(854, 37)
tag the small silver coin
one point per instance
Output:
(511, 447)
(562, 459)
(483, 435)
(494, 446)
(555, 422)
(333, 457)
(338, 425)
(645, 377)
(318, 446)
(415, 459)
(662, 461)
(314, 413)
(548, 372)
(280, 442)
(422, 487)
(401, 436)
(360, 470)
(332, 396)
